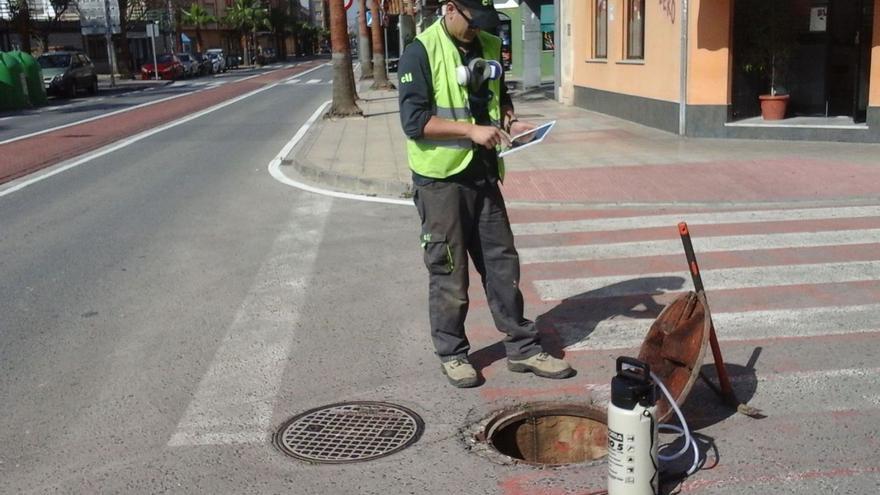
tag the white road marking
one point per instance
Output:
(620, 333)
(313, 81)
(122, 110)
(234, 400)
(721, 279)
(292, 81)
(751, 242)
(22, 183)
(644, 222)
(275, 169)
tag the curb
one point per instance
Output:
(346, 183)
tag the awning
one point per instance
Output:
(184, 38)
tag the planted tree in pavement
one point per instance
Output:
(343, 78)
(197, 17)
(380, 73)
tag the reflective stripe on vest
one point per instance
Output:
(441, 158)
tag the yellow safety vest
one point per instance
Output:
(441, 158)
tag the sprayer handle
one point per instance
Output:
(644, 375)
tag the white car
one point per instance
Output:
(190, 66)
(219, 58)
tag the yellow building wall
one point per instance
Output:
(874, 85)
(710, 53)
(657, 77)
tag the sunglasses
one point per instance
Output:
(467, 19)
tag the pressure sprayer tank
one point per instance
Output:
(632, 431)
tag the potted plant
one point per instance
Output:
(766, 42)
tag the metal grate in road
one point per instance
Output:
(349, 432)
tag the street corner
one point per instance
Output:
(333, 156)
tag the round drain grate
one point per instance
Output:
(349, 432)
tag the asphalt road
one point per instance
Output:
(165, 307)
(64, 111)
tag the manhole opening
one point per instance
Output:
(349, 432)
(550, 434)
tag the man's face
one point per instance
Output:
(458, 22)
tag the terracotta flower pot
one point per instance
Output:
(773, 106)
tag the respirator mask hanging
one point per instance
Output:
(473, 75)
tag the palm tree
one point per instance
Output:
(259, 19)
(237, 18)
(344, 96)
(246, 17)
(380, 74)
(197, 17)
(364, 53)
(20, 17)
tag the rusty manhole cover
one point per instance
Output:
(349, 432)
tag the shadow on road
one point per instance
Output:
(576, 317)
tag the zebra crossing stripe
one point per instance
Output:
(621, 333)
(701, 245)
(721, 279)
(642, 222)
(292, 81)
(235, 397)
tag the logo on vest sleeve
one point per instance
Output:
(487, 3)
(406, 78)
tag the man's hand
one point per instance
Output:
(488, 136)
(521, 127)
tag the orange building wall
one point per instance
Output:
(656, 78)
(874, 88)
(710, 52)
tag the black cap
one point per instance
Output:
(482, 13)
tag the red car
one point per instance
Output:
(169, 68)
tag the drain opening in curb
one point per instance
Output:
(550, 434)
(349, 432)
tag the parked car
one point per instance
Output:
(205, 64)
(190, 66)
(65, 72)
(169, 68)
(217, 53)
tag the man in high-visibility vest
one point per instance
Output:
(456, 112)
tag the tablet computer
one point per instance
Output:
(528, 138)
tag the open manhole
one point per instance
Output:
(349, 432)
(549, 434)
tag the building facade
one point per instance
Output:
(640, 59)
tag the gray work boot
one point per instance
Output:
(460, 373)
(541, 364)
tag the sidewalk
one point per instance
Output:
(596, 160)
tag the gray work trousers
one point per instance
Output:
(458, 220)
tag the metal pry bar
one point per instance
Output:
(726, 390)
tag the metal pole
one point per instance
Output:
(154, 31)
(557, 40)
(108, 36)
(683, 85)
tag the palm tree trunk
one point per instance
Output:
(365, 53)
(244, 44)
(380, 75)
(198, 38)
(344, 96)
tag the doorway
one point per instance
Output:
(822, 61)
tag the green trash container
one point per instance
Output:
(17, 97)
(34, 78)
(5, 86)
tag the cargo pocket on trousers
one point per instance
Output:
(438, 254)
